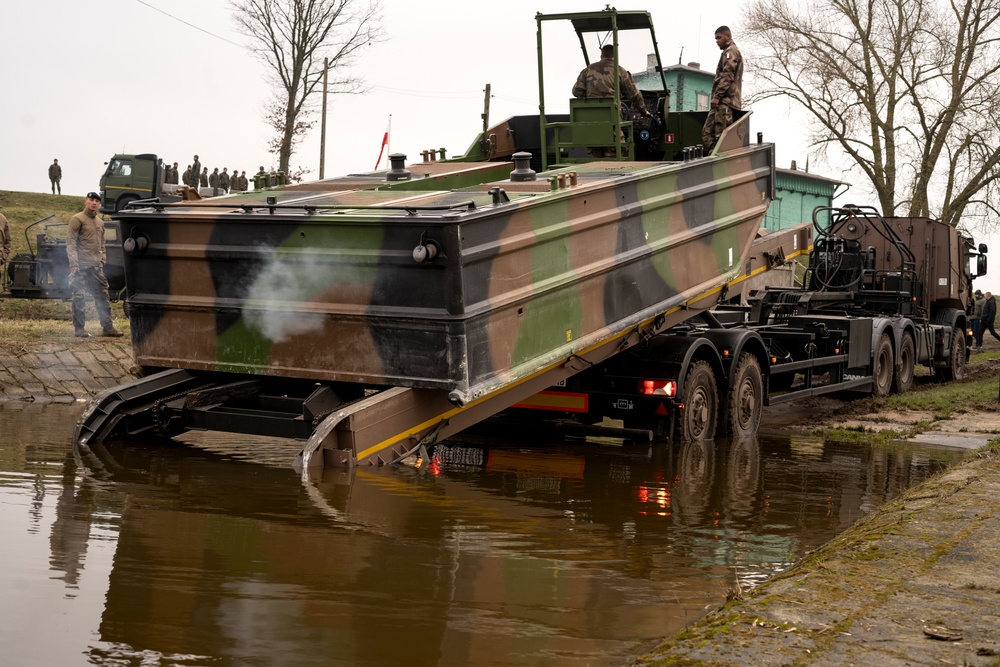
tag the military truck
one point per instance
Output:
(881, 296)
(375, 314)
(129, 178)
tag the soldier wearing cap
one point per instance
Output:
(172, 174)
(196, 170)
(55, 176)
(224, 180)
(727, 89)
(85, 252)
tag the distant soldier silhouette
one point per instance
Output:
(55, 175)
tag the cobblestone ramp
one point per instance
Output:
(63, 371)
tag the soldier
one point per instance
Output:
(55, 175)
(214, 181)
(224, 180)
(244, 182)
(727, 89)
(4, 241)
(195, 169)
(186, 178)
(204, 177)
(85, 252)
(598, 80)
(172, 174)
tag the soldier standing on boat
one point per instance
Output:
(727, 89)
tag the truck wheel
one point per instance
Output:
(905, 363)
(884, 364)
(746, 400)
(701, 403)
(955, 370)
(123, 202)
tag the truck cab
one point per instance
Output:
(128, 178)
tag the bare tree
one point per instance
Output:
(292, 37)
(906, 88)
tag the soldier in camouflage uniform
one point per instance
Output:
(244, 182)
(214, 180)
(186, 178)
(204, 177)
(55, 175)
(727, 89)
(598, 80)
(172, 174)
(195, 171)
(4, 241)
(224, 180)
(85, 252)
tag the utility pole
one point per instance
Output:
(322, 130)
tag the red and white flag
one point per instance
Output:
(385, 142)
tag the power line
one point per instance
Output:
(190, 25)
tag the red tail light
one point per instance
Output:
(658, 387)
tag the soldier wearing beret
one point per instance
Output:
(85, 252)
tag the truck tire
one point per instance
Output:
(746, 400)
(884, 363)
(955, 370)
(905, 364)
(123, 202)
(701, 403)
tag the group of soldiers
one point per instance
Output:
(195, 175)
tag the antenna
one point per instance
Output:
(680, 58)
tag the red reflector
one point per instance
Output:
(658, 387)
(661, 409)
(668, 138)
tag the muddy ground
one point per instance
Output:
(915, 583)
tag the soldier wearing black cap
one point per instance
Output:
(85, 252)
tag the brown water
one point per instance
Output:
(501, 552)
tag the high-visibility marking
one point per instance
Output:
(563, 401)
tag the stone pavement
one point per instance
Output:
(915, 583)
(63, 371)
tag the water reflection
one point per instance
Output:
(493, 553)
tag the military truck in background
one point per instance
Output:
(130, 178)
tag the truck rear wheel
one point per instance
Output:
(701, 403)
(884, 364)
(955, 370)
(123, 202)
(905, 364)
(746, 400)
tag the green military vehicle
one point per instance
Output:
(374, 314)
(130, 178)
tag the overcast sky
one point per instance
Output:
(86, 79)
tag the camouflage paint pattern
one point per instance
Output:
(325, 286)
